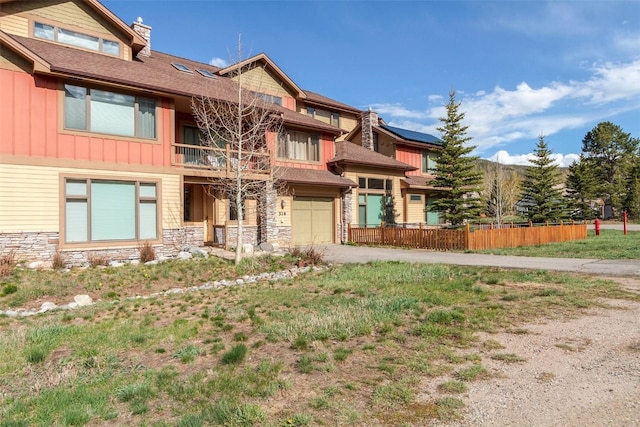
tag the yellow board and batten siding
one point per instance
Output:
(261, 80)
(16, 17)
(33, 195)
(414, 210)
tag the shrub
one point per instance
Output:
(58, 261)
(309, 255)
(147, 253)
(7, 263)
(96, 260)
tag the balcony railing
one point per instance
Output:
(219, 159)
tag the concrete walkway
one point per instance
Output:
(343, 254)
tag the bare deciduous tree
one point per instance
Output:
(502, 191)
(235, 127)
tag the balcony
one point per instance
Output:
(222, 161)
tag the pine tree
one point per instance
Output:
(611, 153)
(540, 187)
(581, 188)
(456, 172)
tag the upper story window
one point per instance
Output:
(112, 113)
(325, 116)
(376, 145)
(272, 99)
(74, 38)
(299, 146)
(429, 162)
(335, 119)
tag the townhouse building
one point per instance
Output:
(100, 151)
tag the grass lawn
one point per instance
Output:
(350, 345)
(611, 244)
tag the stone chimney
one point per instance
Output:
(369, 120)
(145, 32)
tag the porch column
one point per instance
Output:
(269, 220)
(347, 213)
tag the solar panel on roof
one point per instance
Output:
(413, 135)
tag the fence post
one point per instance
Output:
(382, 232)
(348, 232)
(468, 237)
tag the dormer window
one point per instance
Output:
(207, 73)
(74, 38)
(181, 67)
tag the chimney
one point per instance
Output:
(145, 32)
(369, 120)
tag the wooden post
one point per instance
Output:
(348, 232)
(467, 236)
(382, 232)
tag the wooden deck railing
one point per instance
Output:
(489, 237)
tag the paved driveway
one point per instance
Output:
(342, 254)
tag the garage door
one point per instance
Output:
(312, 220)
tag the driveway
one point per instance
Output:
(343, 254)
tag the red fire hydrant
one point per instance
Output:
(597, 226)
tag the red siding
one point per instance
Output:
(29, 124)
(411, 156)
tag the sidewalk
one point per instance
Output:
(344, 254)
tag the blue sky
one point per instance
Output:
(520, 68)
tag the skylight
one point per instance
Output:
(207, 73)
(181, 67)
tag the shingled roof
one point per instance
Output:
(315, 177)
(350, 153)
(316, 98)
(153, 73)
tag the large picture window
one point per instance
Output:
(108, 210)
(299, 146)
(107, 112)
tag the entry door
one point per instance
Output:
(432, 216)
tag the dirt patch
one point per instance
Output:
(577, 372)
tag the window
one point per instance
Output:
(376, 146)
(74, 38)
(415, 198)
(181, 67)
(207, 73)
(109, 210)
(299, 146)
(109, 112)
(375, 202)
(335, 119)
(429, 162)
(271, 99)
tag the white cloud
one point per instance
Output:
(219, 62)
(503, 157)
(397, 110)
(505, 115)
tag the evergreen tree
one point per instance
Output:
(632, 201)
(455, 171)
(581, 187)
(611, 153)
(540, 187)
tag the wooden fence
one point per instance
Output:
(486, 237)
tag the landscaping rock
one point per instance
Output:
(184, 255)
(266, 246)
(83, 300)
(247, 248)
(47, 306)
